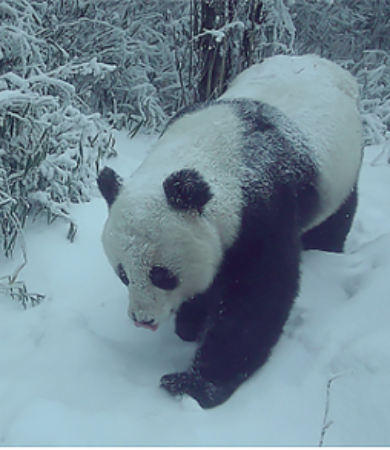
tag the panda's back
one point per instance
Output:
(295, 84)
(321, 98)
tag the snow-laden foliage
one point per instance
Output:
(49, 152)
(373, 75)
(49, 148)
(21, 50)
(140, 39)
(357, 35)
(343, 29)
(152, 48)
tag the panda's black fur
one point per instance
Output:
(239, 318)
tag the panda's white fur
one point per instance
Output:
(224, 203)
(140, 215)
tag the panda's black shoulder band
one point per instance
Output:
(186, 190)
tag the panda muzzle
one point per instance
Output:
(148, 324)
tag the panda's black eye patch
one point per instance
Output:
(163, 278)
(122, 275)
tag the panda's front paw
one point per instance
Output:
(206, 393)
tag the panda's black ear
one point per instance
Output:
(109, 183)
(186, 190)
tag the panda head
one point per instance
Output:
(159, 241)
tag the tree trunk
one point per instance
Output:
(214, 52)
(223, 51)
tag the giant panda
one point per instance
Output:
(211, 226)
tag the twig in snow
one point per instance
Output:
(9, 285)
(326, 424)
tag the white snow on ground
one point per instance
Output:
(75, 370)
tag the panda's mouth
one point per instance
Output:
(148, 326)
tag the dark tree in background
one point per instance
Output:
(215, 54)
(230, 35)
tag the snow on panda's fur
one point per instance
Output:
(210, 227)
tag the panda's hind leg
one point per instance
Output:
(330, 235)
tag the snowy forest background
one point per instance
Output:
(72, 71)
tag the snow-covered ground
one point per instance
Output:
(75, 370)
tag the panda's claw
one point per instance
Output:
(206, 393)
